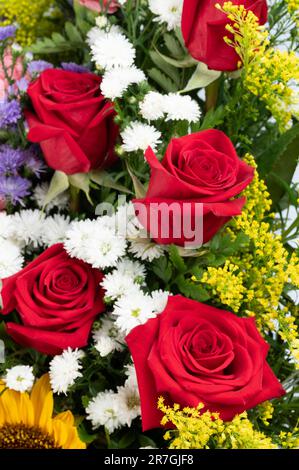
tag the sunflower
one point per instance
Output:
(26, 421)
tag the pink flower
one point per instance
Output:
(2, 203)
(112, 5)
(16, 74)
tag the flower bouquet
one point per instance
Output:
(149, 261)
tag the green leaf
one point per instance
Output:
(174, 46)
(59, 184)
(201, 78)
(85, 436)
(72, 32)
(140, 190)
(127, 440)
(169, 70)
(162, 269)
(176, 259)
(58, 38)
(191, 290)
(81, 181)
(213, 118)
(184, 63)
(277, 164)
(163, 81)
(145, 441)
(278, 150)
(83, 26)
(103, 178)
(85, 401)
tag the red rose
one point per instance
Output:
(194, 353)
(198, 168)
(57, 298)
(203, 28)
(73, 122)
(112, 5)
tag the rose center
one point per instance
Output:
(20, 436)
(67, 281)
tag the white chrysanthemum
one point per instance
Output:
(97, 32)
(108, 338)
(152, 106)
(116, 81)
(105, 346)
(65, 369)
(112, 49)
(132, 269)
(104, 410)
(102, 21)
(11, 259)
(129, 401)
(94, 34)
(139, 136)
(145, 249)
(132, 377)
(167, 11)
(104, 248)
(6, 225)
(55, 228)
(28, 227)
(40, 192)
(19, 378)
(160, 299)
(77, 236)
(126, 221)
(133, 309)
(117, 284)
(178, 107)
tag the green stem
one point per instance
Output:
(74, 200)
(212, 91)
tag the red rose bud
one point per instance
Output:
(193, 353)
(72, 121)
(57, 299)
(203, 28)
(191, 190)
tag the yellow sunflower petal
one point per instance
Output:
(26, 409)
(73, 441)
(9, 400)
(60, 433)
(67, 436)
(67, 417)
(42, 401)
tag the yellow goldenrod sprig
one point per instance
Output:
(267, 72)
(28, 15)
(196, 429)
(293, 9)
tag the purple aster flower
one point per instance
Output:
(10, 159)
(33, 163)
(38, 66)
(72, 67)
(22, 84)
(14, 188)
(10, 112)
(7, 32)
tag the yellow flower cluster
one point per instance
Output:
(266, 410)
(227, 283)
(290, 440)
(267, 72)
(293, 8)
(204, 430)
(29, 15)
(252, 281)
